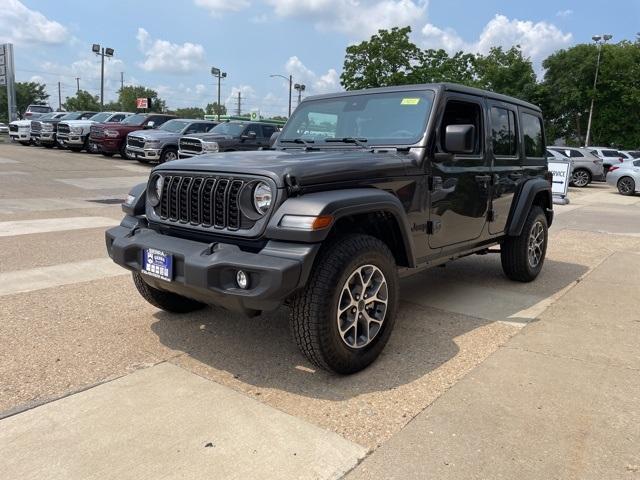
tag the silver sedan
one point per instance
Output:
(625, 177)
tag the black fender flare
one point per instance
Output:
(524, 200)
(339, 204)
(136, 200)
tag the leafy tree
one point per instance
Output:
(507, 72)
(127, 98)
(83, 100)
(26, 94)
(279, 117)
(215, 109)
(387, 58)
(190, 112)
(439, 66)
(112, 107)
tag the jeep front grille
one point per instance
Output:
(201, 200)
(135, 142)
(64, 128)
(191, 145)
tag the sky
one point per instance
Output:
(171, 46)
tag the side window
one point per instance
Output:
(503, 132)
(532, 133)
(197, 128)
(611, 153)
(158, 120)
(253, 128)
(636, 163)
(268, 130)
(458, 112)
(575, 154)
(117, 118)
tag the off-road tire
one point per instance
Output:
(514, 251)
(168, 301)
(313, 318)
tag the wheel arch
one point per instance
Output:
(533, 192)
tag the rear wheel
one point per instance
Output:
(171, 302)
(626, 186)
(580, 178)
(343, 318)
(123, 151)
(523, 256)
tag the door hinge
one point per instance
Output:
(433, 226)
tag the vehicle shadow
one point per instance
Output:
(260, 352)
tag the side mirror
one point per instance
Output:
(460, 138)
(149, 125)
(273, 139)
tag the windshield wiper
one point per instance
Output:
(306, 143)
(361, 142)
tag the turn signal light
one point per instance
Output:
(306, 222)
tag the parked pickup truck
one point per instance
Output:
(161, 144)
(228, 137)
(112, 138)
(20, 131)
(360, 189)
(74, 134)
(44, 130)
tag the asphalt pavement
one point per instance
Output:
(88, 367)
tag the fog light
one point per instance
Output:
(242, 279)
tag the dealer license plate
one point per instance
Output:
(157, 263)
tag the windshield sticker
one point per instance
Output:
(410, 101)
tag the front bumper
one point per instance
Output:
(74, 140)
(109, 145)
(21, 136)
(207, 272)
(146, 153)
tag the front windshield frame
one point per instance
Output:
(229, 128)
(168, 126)
(342, 121)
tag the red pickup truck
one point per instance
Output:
(111, 138)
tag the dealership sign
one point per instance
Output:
(560, 170)
(143, 103)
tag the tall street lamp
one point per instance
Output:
(600, 40)
(290, 80)
(102, 52)
(300, 87)
(216, 72)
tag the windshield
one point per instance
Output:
(100, 117)
(233, 129)
(379, 118)
(174, 126)
(134, 120)
(72, 116)
(38, 109)
(47, 115)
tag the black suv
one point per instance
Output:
(228, 137)
(360, 188)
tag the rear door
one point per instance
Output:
(507, 162)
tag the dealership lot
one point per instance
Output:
(71, 320)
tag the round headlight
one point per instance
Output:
(262, 197)
(155, 190)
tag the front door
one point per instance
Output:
(460, 183)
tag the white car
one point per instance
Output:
(3, 128)
(610, 156)
(625, 177)
(74, 134)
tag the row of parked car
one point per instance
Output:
(146, 137)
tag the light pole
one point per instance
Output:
(102, 52)
(216, 72)
(600, 40)
(300, 87)
(290, 80)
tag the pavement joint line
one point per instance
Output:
(47, 225)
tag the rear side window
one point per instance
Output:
(268, 130)
(636, 163)
(503, 132)
(611, 153)
(635, 154)
(532, 134)
(575, 154)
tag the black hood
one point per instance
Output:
(308, 167)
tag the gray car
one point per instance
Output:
(586, 166)
(161, 144)
(625, 177)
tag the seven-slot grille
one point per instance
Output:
(63, 128)
(205, 201)
(135, 142)
(191, 145)
(13, 128)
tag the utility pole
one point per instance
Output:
(121, 81)
(239, 104)
(59, 98)
(600, 40)
(290, 80)
(78, 84)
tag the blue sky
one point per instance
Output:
(170, 46)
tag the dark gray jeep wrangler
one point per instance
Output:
(359, 189)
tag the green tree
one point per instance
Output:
(387, 58)
(127, 98)
(190, 112)
(26, 94)
(507, 72)
(112, 107)
(83, 100)
(439, 66)
(215, 109)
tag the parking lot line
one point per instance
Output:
(25, 227)
(12, 205)
(11, 173)
(101, 183)
(164, 419)
(7, 160)
(20, 281)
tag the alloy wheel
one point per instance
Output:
(170, 156)
(536, 244)
(625, 186)
(362, 306)
(580, 178)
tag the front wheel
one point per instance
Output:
(168, 301)
(626, 186)
(168, 155)
(343, 318)
(523, 256)
(123, 151)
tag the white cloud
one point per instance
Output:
(220, 7)
(564, 13)
(23, 26)
(536, 39)
(315, 84)
(164, 56)
(248, 99)
(357, 18)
